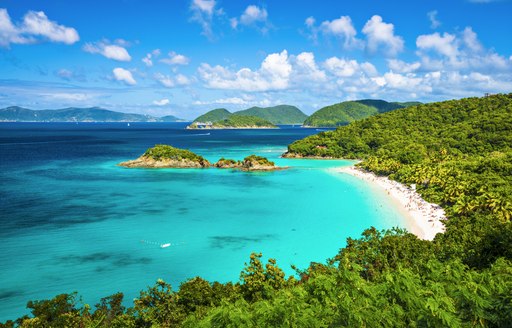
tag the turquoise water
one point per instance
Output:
(74, 221)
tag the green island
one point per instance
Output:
(249, 163)
(165, 156)
(459, 155)
(235, 122)
(349, 111)
(258, 117)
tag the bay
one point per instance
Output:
(71, 220)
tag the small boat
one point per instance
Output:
(165, 245)
(128, 124)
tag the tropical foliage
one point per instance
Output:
(160, 152)
(281, 114)
(214, 115)
(242, 121)
(350, 111)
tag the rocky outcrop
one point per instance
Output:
(259, 163)
(228, 164)
(148, 162)
(165, 156)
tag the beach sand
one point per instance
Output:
(424, 219)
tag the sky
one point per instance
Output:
(185, 57)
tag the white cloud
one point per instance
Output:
(164, 80)
(342, 28)
(307, 69)
(445, 45)
(205, 6)
(182, 79)
(434, 22)
(123, 75)
(224, 101)
(36, 23)
(203, 12)
(175, 59)
(310, 21)
(170, 82)
(274, 74)
(108, 50)
(471, 40)
(344, 68)
(341, 67)
(403, 67)
(66, 96)
(148, 59)
(35, 27)
(253, 14)
(380, 34)
(161, 102)
(70, 75)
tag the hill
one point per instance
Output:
(243, 122)
(213, 115)
(171, 118)
(350, 111)
(282, 114)
(72, 114)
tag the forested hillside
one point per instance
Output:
(459, 155)
(349, 111)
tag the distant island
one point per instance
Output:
(282, 114)
(349, 111)
(72, 114)
(166, 156)
(235, 122)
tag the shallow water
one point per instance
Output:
(71, 220)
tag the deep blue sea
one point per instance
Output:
(71, 220)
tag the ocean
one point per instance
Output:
(71, 220)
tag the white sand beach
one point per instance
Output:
(424, 218)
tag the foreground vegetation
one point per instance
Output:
(459, 155)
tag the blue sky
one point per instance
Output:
(184, 57)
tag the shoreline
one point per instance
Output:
(424, 219)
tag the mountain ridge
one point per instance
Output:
(76, 114)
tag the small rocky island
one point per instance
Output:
(250, 163)
(165, 156)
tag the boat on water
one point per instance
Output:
(165, 245)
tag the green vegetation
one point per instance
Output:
(160, 152)
(282, 114)
(350, 111)
(459, 153)
(241, 121)
(254, 161)
(227, 163)
(214, 115)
